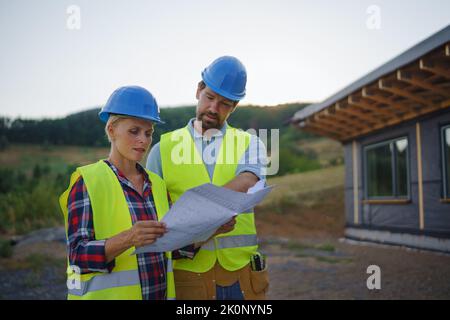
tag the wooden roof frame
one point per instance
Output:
(409, 86)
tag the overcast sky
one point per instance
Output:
(54, 61)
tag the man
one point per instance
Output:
(225, 156)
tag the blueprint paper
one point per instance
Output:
(199, 212)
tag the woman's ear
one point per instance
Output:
(111, 132)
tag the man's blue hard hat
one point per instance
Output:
(131, 101)
(227, 77)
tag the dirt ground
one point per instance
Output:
(326, 268)
(302, 267)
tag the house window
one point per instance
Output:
(387, 169)
(446, 160)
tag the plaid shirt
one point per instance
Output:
(88, 253)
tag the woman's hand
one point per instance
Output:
(145, 232)
(140, 234)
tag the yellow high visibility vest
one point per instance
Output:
(183, 169)
(111, 216)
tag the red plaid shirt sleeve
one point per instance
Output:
(85, 251)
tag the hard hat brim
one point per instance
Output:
(104, 116)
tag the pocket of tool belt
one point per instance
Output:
(189, 286)
(259, 280)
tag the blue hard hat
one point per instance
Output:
(226, 76)
(131, 101)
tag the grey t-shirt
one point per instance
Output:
(254, 159)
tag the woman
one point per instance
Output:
(113, 206)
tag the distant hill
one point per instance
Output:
(85, 129)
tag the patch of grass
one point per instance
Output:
(329, 152)
(6, 249)
(325, 247)
(303, 255)
(31, 179)
(333, 259)
(32, 280)
(304, 191)
(37, 262)
(297, 246)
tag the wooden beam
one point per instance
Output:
(342, 112)
(355, 183)
(339, 127)
(342, 119)
(346, 118)
(372, 107)
(357, 113)
(408, 78)
(401, 106)
(447, 50)
(321, 118)
(383, 85)
(430, 67)
(419, 175)
(406, 117)
(320, 132)
(445, 104)
(322, 127)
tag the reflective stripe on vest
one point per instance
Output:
(245, 240)
(106, 281)
(111, 216)
(234, 249)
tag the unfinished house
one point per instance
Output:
(394, 124)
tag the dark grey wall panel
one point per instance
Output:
(436, 214)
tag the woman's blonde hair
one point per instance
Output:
(113, 120)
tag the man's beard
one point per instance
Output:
(208, 123)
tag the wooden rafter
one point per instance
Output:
(430, 67)
(330, 122)
(445, 103)
(344, 117)
(383, 85)
(321, 133)
(401, 106)
(394, 121)
(413, 90)
(370, 107)
(322, 127)
(369, 119)
(413, 80)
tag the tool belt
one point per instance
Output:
(202, 286)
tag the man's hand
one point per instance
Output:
(227, 227)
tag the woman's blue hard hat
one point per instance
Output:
(131, 101)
